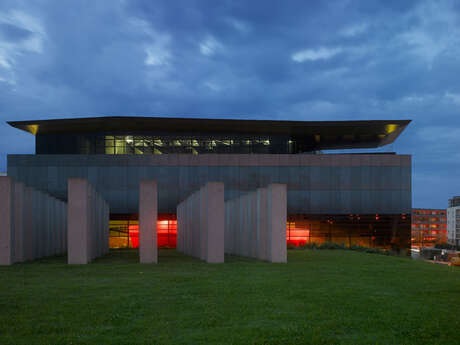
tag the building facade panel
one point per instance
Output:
(316, 189)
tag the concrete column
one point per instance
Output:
(78, 222)
(201, 221)
(227, 227)
(7, 220)
(190, 228)
(106, 228)
(178, 217)
(277, 214)
(253, 224)
(29, 229)
(262, 223)
(57, 226)
(148, 208)
(236, 227)
(196, 229)
(35, 211)
(19, 218)
(215, 222)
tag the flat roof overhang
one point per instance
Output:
(322, 135)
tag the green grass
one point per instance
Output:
(319, 297)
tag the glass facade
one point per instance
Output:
(124, 231)
(379, 231)
(145, 143)
(367, 230)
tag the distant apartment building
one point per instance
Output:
(429, 227)
(453, 221)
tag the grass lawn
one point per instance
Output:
(319, 297)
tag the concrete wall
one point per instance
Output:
(88, 222)
(255, 224)
(148, 214)
(33, 224)
(200, 223)
(316, 184)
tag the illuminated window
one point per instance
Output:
(125, 233)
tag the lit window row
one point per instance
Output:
(157, 145)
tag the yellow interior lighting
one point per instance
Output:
(32, 129)
(391, 128)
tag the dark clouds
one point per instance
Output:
(301, 60)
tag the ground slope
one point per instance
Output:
(319, 297)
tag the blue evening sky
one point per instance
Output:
(285, 60)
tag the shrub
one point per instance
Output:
(308, 246)
(332, 245)
(357, 248)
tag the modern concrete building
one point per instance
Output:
(354, 198)
(453, 221)
(429, 227)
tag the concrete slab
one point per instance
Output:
(7, 220)
(148, 214)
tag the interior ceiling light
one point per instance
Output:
(390, 128)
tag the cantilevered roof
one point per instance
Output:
(318, 134)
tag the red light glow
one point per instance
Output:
(166, 232)
(296, 236)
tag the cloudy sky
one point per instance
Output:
(286, 60)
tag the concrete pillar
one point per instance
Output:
(78, 222)
(178, 238)
(277, 216)
(19, 218)
(7, 221)
(148, 208)
(201, 222)
(37, 223)
(253, 224)
(28, 224)
(190, 228)
(215, 222)
(106, 228)
(86, 225)
(202, 232)
(236, 227)
(262, 223)
(227, 228)
(57, 226)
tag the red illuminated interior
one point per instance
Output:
(126, 233)
(296, 236)
(167, 234)
(166, 230)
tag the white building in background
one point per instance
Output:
(453, 221)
